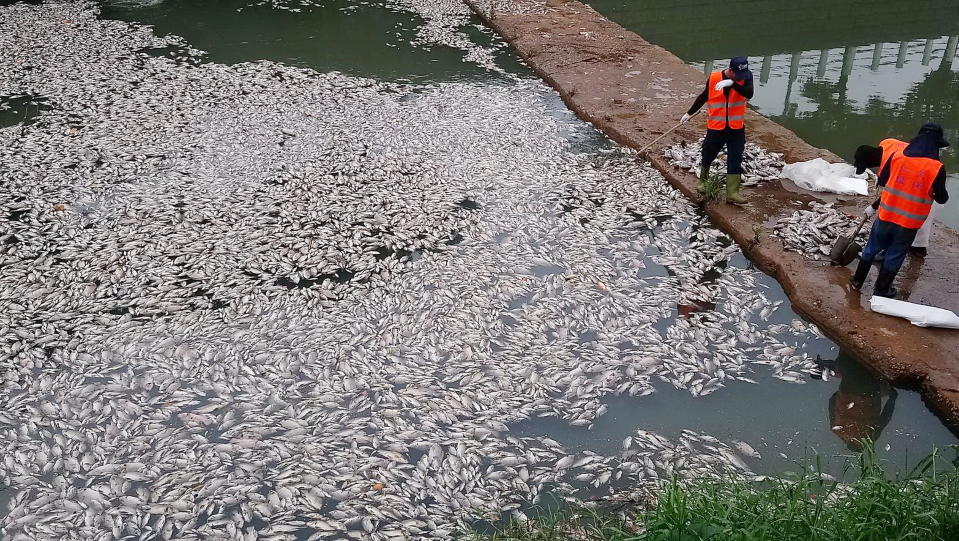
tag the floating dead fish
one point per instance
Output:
(232, 332)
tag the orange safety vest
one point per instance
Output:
(722, 110)
(889, 147)
(907, 196)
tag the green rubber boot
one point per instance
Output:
(733, 184)
(703, 177)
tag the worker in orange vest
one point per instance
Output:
(725, 97)
(912, 178)
(869, 157)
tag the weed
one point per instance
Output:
(714, 187)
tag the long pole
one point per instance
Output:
(669, 131)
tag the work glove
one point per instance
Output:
(723, 84)
(869, 212)
(685, 119)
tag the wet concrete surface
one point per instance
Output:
(635, 91)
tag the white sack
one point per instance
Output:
(819, 175)
(917, 314)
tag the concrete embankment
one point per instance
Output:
(634, 91)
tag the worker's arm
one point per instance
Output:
(700, 101)
(745, 89)
(939, 192)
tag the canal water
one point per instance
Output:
(839, 74)
(19, 110)
(165, 387)
(795, 419)
(368, 39)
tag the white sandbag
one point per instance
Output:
(917, 314)
(819, 175)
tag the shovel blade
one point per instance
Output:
(844, 251)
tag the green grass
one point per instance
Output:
(715, 187)
(923, 505)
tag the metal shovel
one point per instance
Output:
(847, 249)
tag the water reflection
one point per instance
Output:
(857, 410)
(693, 306)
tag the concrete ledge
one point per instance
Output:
(634, 91)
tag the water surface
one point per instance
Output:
(794, 418)
(782, 420)
(20, 109)
(358, 38)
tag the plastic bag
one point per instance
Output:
(917, 314)
(819, 175)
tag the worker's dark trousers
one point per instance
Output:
(892, 238)
(735, 143)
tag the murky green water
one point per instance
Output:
(20, 109)
(778, 417)
(839, 74)
(358, 38)
(783, 421)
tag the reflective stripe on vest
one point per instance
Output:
(923, 200)
(904, 214)
(906, 198)
(723, 111)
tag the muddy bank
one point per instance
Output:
(634, 91)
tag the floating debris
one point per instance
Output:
(759, 165)
(813, 232)
(257, 301)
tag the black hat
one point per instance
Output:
(867, 156)
(740, 67)
(934, 129)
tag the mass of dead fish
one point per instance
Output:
(759, 165)
(259, 302)
(512, 7)
(813, 232)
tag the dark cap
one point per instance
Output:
(740, 67)
(866, 157)
(931, 128)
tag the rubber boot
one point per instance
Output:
(884, 285)
(857, 279)
(733, 183)
(703, 177)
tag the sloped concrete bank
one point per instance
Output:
(634, 91)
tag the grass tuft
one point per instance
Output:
(714, 187)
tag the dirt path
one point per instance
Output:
(634, 91)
